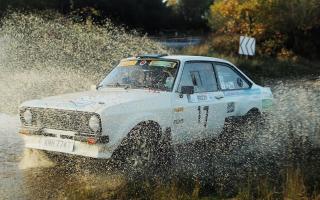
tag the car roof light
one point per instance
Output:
(151, 56)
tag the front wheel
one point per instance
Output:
(141, 154)
(137, 152)
(143, 151)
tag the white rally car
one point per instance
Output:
(145, 102)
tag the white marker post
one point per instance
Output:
(247, 46)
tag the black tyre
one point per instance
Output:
(137, 152)
(143, 151)
(254, 116)
(255, 125)
(238, 129)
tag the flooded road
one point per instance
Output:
(222, 161)
(29, 175)
(11, 148)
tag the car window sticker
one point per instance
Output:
(143, 62)
(128, 63)
(161, 63)
(231, 85)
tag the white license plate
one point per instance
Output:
(56, 144)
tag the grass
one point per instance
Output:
(292, 188)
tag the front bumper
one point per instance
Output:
(81, 148)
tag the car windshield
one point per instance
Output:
(143, 73)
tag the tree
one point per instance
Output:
(147, 14)
(192, 11)
(277, 24)
(234, 16)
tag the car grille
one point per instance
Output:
(63, 120)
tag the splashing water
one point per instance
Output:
(44, 55)
(289, 132)
(33, 158)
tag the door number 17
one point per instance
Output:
(206, 109)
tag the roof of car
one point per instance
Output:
(193, 58)
(183, 58)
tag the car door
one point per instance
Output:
(201, 114)
(239, 94)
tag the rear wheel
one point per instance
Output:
(254, 125)
(254, 117)
(238, 129)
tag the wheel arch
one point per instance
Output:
(254, 110)
(123, 143)
(145, 123)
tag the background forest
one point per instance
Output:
(283, 28)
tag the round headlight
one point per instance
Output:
(94, 123)
(27, 116)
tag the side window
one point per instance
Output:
(229, 79)
(199, 75)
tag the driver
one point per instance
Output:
(162, 78)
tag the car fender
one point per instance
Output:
(258, 102)
(118, 131)
(118, 121)
(254, 104)
(133, 122)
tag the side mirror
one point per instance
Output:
(187, 90)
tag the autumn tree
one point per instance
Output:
(278, 25)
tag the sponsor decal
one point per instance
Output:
(161, 63)
(202, 97)
(128, 63)
(193, 98)
(142, 62)
(179, 109)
